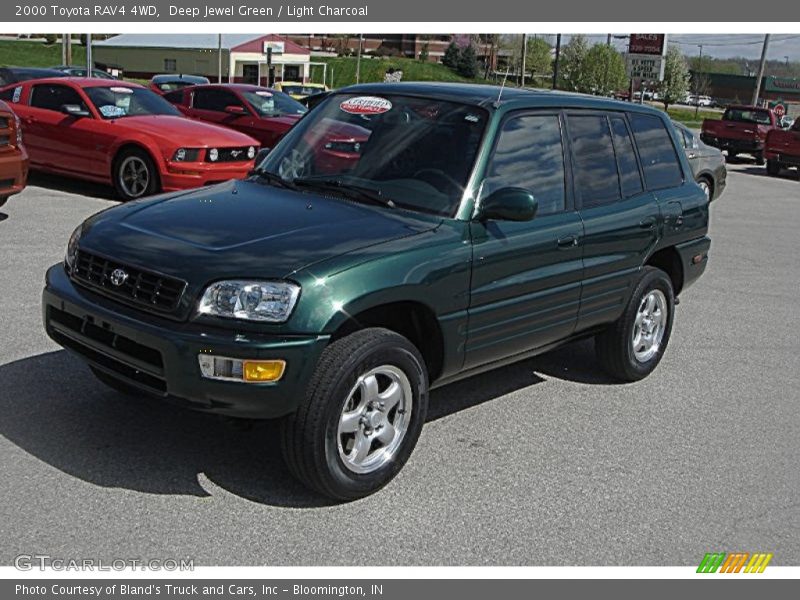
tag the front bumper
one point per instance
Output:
(186, 175)
(13, 171)
(159, 357)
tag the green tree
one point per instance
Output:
(468, 62)
(539, 59)
(572, 76)
(451, 56)
(676, 78)
(604, 71)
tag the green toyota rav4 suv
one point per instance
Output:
(400, 236)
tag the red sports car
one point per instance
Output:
(125, 135)
(13, 157)
(257, 111)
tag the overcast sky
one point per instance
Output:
(722, 46)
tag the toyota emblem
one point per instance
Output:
(118, 277)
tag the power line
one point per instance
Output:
(733, 43)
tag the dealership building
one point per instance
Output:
(244, 56)
(738, 89)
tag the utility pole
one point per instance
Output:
(89, 61)
(555, 63)
(608, 40)
(524, 53)
(219, 58)
(761, 67)
(358, 60)
(697, 82)
(64, 52)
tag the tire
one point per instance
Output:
(3, 200)
(319, 453)
(706, 185)
(114, 383)
(759, 156)
(773, 167)
(732, 155)
(615, 346)
(137, 164)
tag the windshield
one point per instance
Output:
(416, 153)
(269, 103)
(120, 101)
(301, 90)
(744, 115)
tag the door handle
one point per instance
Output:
(568, 242)
(647, 223)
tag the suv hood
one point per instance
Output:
(241, 229)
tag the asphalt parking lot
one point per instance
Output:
(543, 462)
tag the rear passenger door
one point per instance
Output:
(526, 276)
(620, 217)
(684, 208)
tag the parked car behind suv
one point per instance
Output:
(782, 149)
(707, 163)
(474, 228)
(13, 156)
(743, 129)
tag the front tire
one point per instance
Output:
(135, 175)
(631, 348)
(361, 417)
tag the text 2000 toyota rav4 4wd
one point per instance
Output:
(399, 237)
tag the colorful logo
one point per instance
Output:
(734, 562)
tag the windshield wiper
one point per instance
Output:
(356, 192)
(273, 178)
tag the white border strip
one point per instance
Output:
(265, 27)
(378, 573)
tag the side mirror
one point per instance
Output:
(235, 109)
(509, 204)
(261, 155)
(74, 110)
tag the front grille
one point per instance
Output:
(4, 122)
(230, 155)
(123, 356)
(4, 140)
(6, 183)
(140, 288)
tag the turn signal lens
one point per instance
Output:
(263, 370)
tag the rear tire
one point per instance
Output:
(773, 167)
(3, 200)
(135, 175)
(631, 348)
(349, 437)
(759, 158)
(732, 155)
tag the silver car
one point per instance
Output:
(707, 162)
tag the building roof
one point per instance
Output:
(243, 42)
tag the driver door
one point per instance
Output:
(526, 276)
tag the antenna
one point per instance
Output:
(502, 87)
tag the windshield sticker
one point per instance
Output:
(366, 105)
(263, 93)
(472, 118)
(110, 111)
(121, 90)
(17, 93)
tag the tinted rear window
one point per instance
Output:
(595, 172)
(657, 152)
(744, 115)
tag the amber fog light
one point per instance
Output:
(241, 370)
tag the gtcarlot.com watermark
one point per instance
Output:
(44, 562)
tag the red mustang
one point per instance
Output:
(123, 134)
(260, 112)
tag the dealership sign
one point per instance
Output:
(645, 58)
(782, 84)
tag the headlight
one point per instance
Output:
(270, 301)
(251, 152)
(186, 155)
(213, 154)
(72, 247)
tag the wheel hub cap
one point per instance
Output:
(374, 419)
(649, 326)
